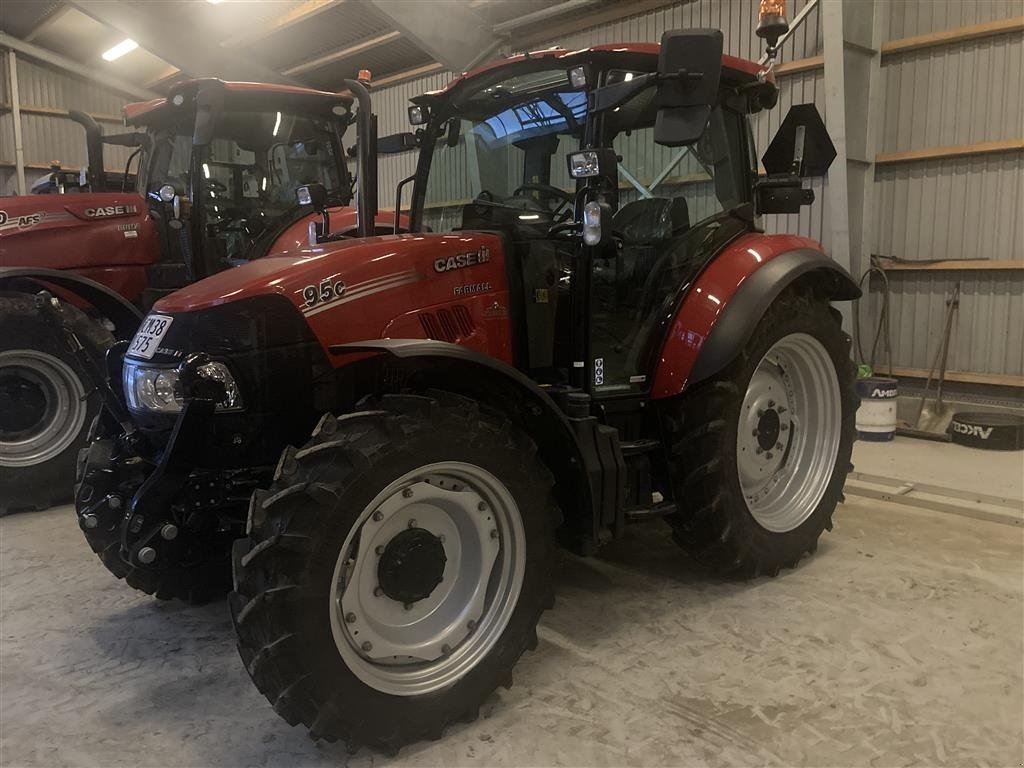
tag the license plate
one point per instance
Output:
(148, 337)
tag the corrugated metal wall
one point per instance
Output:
(956, 208)
(45, 137)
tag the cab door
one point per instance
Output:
(672, 213)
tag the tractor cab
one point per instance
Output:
(580, 165)
(219, 163)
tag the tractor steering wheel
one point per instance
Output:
(547, 190)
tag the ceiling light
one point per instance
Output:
(119, 50)
(215, 2)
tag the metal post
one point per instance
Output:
(873, 129)
(835, 121)
(19, 150)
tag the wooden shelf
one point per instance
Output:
(953, 36)
(948, 265)
(956, 150)
(967, 377)
(800, 65)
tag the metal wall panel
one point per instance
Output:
(919, 17)
(987, 329)
(957, 208)
(963, 208)
(955, 94)
(46, 138)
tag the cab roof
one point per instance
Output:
(240, 95)
(734, 69)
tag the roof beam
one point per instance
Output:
(344, 53)
(46, 23)
(441, 28)
(408, 74)
(165, 74)
(178, 45)
(598, 17)
(304, 12)
(33, 51)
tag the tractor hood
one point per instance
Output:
(321, 281)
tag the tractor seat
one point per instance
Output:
(651, 219)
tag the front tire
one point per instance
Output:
(395, 571)
(760, 452)
(45, 406)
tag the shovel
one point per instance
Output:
(933, 417)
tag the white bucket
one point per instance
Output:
(876, 416)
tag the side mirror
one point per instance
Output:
(689, 73)
(395, 143)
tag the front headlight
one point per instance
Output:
(158, 390)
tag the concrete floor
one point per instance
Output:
(899, 643)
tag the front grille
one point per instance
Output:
(447, 324)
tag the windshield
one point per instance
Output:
(506, 136)
(519, 132)
(249, 172)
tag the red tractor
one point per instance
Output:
(216, 168)
(585, 328)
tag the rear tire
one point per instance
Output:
(299, 576)
(45, 405)
(759, 453)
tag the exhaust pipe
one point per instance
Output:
(94, 149)
(366, 144)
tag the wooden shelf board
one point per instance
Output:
(948, 265)
(956, 150)
(953, 36)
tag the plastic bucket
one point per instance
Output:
(876, 416)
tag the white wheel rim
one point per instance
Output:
(64, 408)
(788, 432)
(412, 649)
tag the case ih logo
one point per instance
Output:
(20, 222)
(972, 429)
(111, 210)
(463, 260)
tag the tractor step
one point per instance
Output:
(639, 514)
(634, 447)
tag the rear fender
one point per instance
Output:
(721, 310)
(124, 315)
(440, 365)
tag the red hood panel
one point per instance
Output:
(76, 231)
(351, 267)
